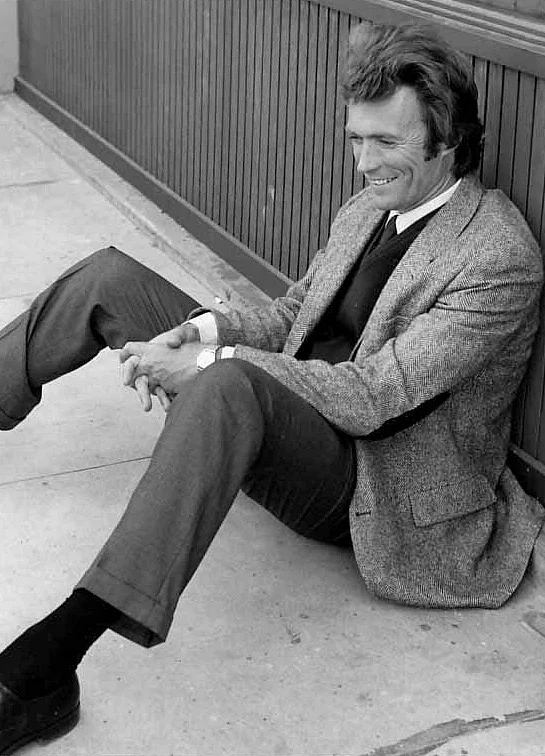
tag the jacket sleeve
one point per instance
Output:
(479, 312)
(266, 328)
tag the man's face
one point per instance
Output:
(389, 141)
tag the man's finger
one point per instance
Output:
(132, 348)
(141, 384)
(130, 367)
(161, 394)
(182, 334)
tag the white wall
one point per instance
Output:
(9, 45)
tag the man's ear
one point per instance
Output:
(444, 151)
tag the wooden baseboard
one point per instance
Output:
(529, 472)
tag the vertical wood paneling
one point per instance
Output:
(523, 141)
(192, 43)
(508, 125)
(292, 234)
(165, 58)
(330, 95)
(157, 82)
(250, 106)
(343, 162)
(186, 84)
(292, 128)
(213, 78)
(147, 76)
(265, 48)
(224, 157)
(274, 122)
(237, 75)
(173, 69)
(176, 156)
(235, 106)
(134, 99)
(281, 138)
(201, 124)
(536, 180)
(259, 107)
(494, 96)
(307, 168)
(102, 80)
(319, 129)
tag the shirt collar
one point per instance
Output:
(404, 220)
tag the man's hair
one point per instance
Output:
(382, 58)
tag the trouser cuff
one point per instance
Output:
(144, 621)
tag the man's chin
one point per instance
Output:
(382, 199)
(382, 203)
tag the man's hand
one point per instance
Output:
(183, 334)
(153, 367)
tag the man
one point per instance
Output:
(370, 405)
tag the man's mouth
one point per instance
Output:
(382, 181)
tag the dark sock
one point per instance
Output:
(40, 659)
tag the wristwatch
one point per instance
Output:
(207, 357)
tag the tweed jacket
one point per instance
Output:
(437, 518)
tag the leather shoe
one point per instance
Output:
(43, 718)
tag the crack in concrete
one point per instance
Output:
(75, 471)
(428, 740)
(22, 184)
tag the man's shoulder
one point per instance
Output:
(497, 234)
(358, 209)
(503, 220)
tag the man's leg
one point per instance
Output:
(232, 424)
(104, 300)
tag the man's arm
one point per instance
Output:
(471, 322)
(265, 327)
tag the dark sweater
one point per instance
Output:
(337, 333)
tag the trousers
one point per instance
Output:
(232, 427)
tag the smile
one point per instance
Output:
(382, 182)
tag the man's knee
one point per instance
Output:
(110, 274)
(234, 374)
(233, 384)
(109, 264)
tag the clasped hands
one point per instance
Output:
(159, 367)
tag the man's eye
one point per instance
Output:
(386, 142)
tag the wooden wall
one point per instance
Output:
(228, 114)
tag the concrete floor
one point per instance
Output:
(277, 647)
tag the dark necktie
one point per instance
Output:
(388, 232)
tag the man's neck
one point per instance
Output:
(404, 220)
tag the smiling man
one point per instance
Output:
(368, 407)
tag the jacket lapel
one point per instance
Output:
(346, 243)
(343, 250)
(434, 240)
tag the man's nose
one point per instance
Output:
(367, 157)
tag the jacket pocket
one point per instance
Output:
(451, 499)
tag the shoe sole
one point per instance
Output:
(51, 732)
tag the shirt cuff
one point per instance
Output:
(208, 330)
